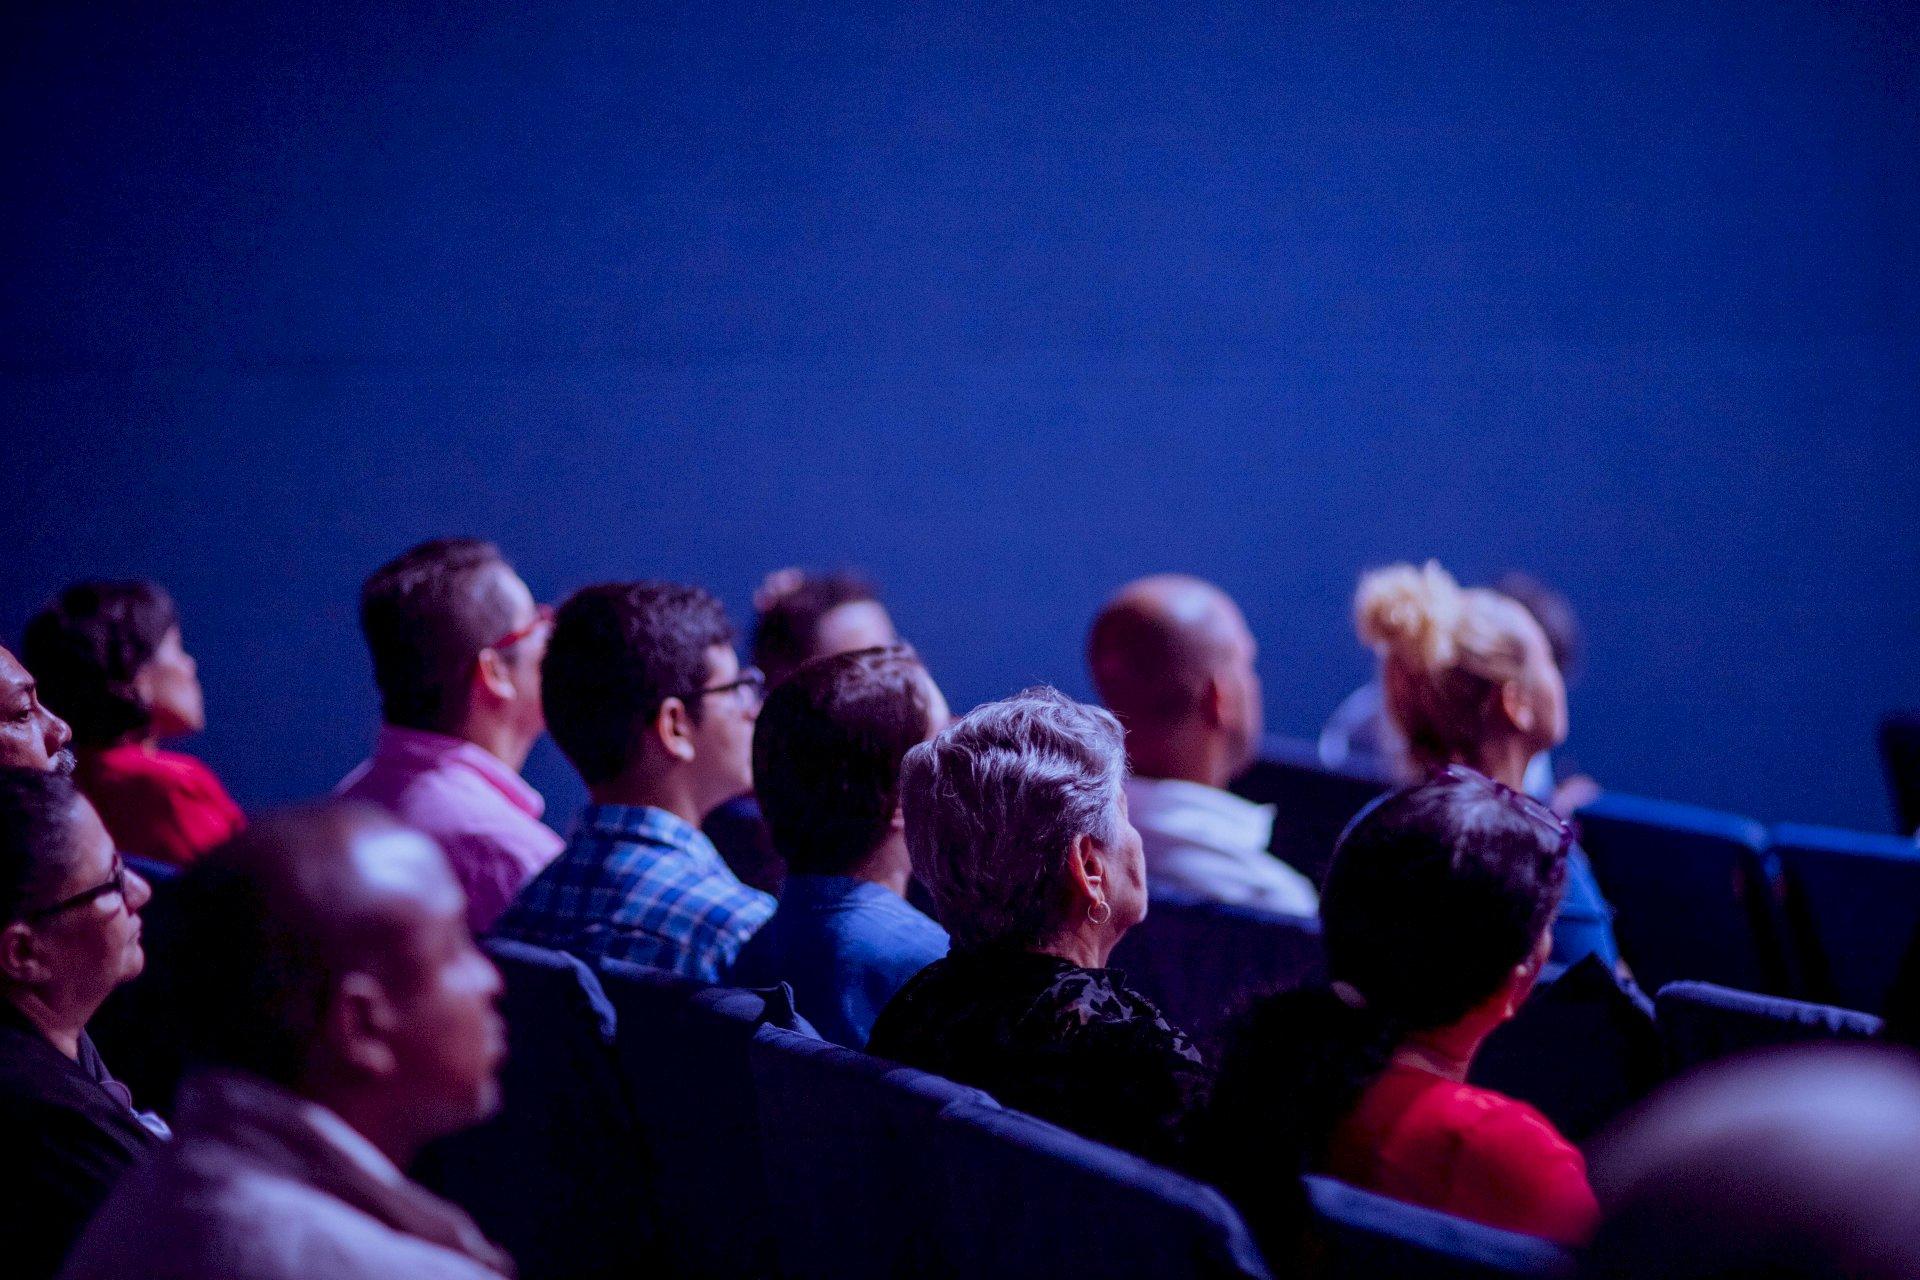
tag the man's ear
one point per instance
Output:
(1216, 704)
(20, 959)
(1517, 706)
(359, 1022)
(672, 728)
(490, 673)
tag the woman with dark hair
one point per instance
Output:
(69, 934)
(109, 658)
(1437, 918)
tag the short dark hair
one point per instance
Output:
(786, 629)
(426, 615)
(827, 751)
(618, 651)
(1434, 894)
(36, 836)
(87, 647)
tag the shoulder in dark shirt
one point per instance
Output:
(1072, 1045)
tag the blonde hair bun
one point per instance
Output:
(1411, 613)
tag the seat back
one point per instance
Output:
(1700, 1022)
(1367, 1236)
(682, 1051)
(552, 1176)
(1582, 1049)
(1692, 890)
(1312, 803)
(1202, 961)
(850, 1155)
(1852, 903)
(1018, 1197)
(1900, 756)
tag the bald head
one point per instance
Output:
(280, 914)
(1172, 657)
(1792, 1164)
(1154, 644)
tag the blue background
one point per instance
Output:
(1006, 303)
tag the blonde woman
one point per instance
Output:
(1469, 678)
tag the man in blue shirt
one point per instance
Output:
(826, 764)
(645, 695)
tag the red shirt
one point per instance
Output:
(1467, 1151)
(158, 804)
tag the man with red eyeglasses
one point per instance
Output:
(457, 641)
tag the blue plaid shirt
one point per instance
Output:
(639, 884)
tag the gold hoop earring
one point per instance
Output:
(1099, 913)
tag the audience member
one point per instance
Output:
(1436, 918)
(457, 640)
(802, 616)
(109, 658)
(1173, 659)
(342, 1018)
(1360, 734)
(826, 766)
(646, 697)
(31, 736)
(1469, 679)
(69, 934)
(799, 617)
(1017, 823)
(1793, 1165)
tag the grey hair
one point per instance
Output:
(994, 802)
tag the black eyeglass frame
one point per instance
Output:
(116, 883)
(750, 678)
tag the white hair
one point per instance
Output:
(993, 806)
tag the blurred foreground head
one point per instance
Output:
(1803, 1163)
(331, 956)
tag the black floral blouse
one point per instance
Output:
(1071, 1045)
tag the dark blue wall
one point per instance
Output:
(1006, 305)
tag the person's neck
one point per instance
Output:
(1447, 1052)
(371, 1117)
(62, 1030)
(671, 791)
(887, 866)
(503, 742)
(1087, 947)
(1505, 762)
(1179, 755)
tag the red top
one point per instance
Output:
(1467, 1151)
(158, 804)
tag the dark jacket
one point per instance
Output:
(67, 1131)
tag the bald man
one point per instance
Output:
(1173, 659)
(345, 1019)
(1791, 1163)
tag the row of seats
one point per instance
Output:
(653, 1125)
(1812, 912)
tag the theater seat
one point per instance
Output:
(1852, 902)
(1367, 1236)
(552, 1178)
(1692, 891)
(1900, 756)
(850, 1157)
(1312, 803)
(1700, 1022)
(1201, 961)
(682, 1052)
(1019, 1198)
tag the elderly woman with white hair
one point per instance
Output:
(1017, 825)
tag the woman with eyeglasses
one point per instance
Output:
(109, 658)
(69, 934)
(1470, 679)
(1436, 918)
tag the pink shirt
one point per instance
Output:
(483, 814)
